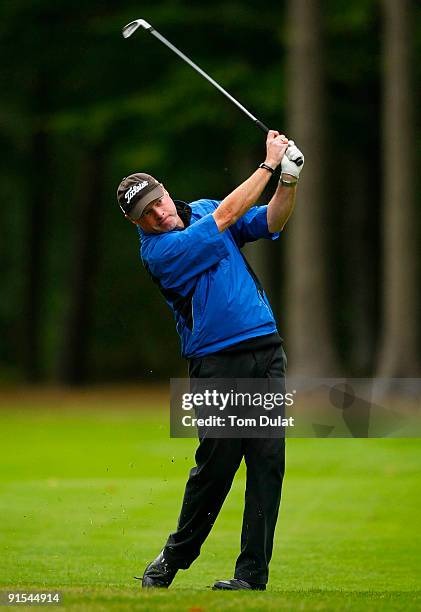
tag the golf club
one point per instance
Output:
(131, 28)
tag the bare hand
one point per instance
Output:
(276, 145)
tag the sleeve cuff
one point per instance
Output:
(262, 219)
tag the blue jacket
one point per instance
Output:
(216, 299)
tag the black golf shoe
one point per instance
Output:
(237, 585)
(158, 574)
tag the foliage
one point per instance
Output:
(68, 74)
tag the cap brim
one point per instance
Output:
(140, 205)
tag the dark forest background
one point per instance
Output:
(81, 107)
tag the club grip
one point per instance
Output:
(262, 126)
(298, 162)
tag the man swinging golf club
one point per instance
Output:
(227, 330)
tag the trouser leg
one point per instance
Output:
(217, 460)
(265, 461)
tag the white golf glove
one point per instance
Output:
(288, 164)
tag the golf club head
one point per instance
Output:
(131, 27)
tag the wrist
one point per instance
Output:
(271, 162)
(267, 167)
(288, 180)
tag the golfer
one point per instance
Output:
(227, 330)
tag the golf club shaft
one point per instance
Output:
(184, 57)
(131, 27)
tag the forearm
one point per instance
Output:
(280, 207)
(238, 202)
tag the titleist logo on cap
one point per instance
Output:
(134, 190)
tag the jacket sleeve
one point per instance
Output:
(177, 257)
(252, 226)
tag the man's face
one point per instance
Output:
(159, 216)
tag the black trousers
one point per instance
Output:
(217, 461)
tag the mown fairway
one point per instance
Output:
(91, 484)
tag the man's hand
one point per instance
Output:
(288, 165)
(276, 145)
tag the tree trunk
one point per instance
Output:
(38, 171)
(398, 345)
(359, 273)
(73, 361)
(308, 333)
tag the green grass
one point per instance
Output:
(90, 491)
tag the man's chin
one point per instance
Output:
(166, 226)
